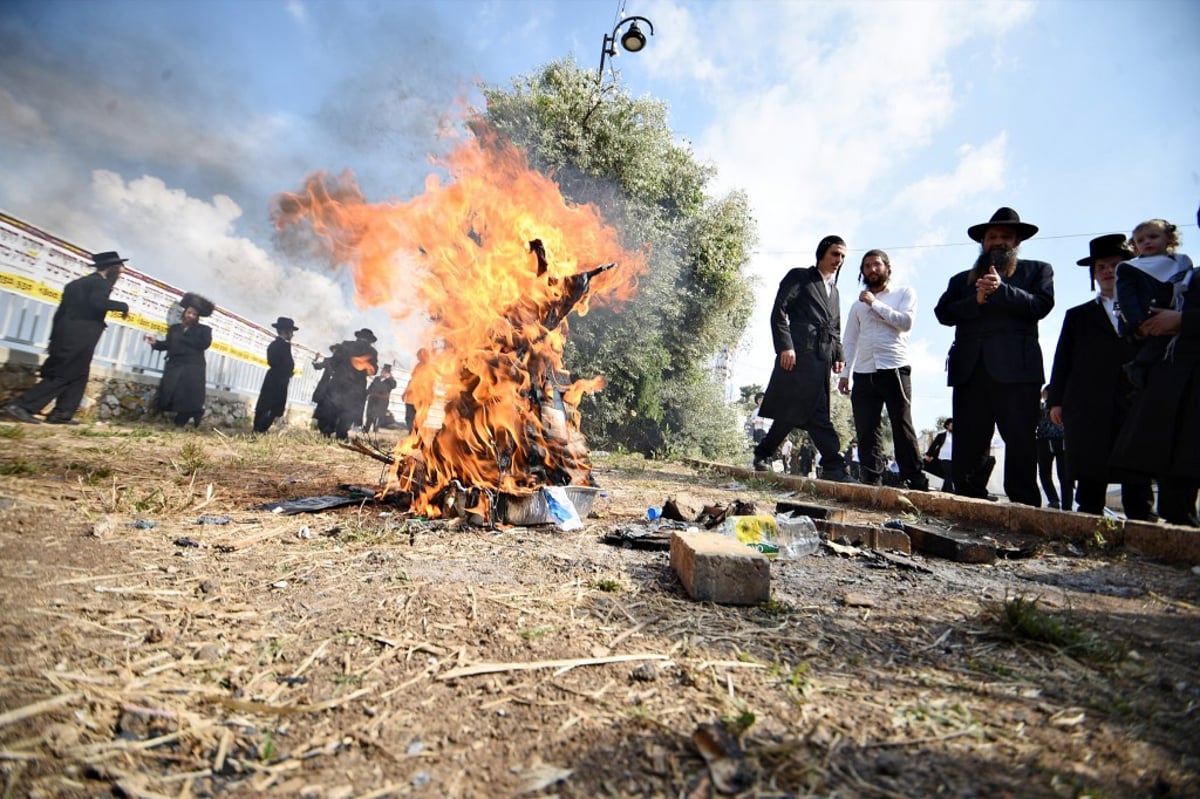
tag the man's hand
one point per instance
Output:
(986, 286)
(867, 297)
(787, 360)
(838, 366)
(1056, 415)
(844, 385)
(1162, 322)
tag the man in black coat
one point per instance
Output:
(342, 391)
(995, 363)
(1089, 393)
(806, 329)
(77, 327)
(272, 398)
(379, 393)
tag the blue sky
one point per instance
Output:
(162, 129)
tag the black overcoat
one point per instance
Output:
(272, 398)
(1162, 434)
(806, 319)
(78, 324)
(1003, 332)
(1087, 381)
(183, 383)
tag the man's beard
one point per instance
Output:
(876, 283)
(1003, 258)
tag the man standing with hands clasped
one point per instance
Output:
(806, 330)
(995, 363)
(876, 347)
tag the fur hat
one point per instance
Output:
(203, 305)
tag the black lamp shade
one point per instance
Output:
(633, 39)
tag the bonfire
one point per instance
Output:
(496, 259)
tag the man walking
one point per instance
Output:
(379, 394)
(76, 329)
(995, 363)
(876, 348)
(940, 455)
(272, 397)
(806, 331)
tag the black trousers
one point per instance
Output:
(1177, 500)
(1137, 496)
(981, 406)
(873, 391)
(1051, 460)
(820, 430)
(64, 379)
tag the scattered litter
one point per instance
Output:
(103, 527)
(218, 520)
(309, 504)
(420, 779)
(280, 584)
(304, 533)
(143, 524)
(726, 763)
(562, 509)
(644, 536)
(415, 748)
(184, 541)
(541, 777)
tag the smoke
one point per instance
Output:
(155, 140)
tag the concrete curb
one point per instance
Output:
(1166, 542)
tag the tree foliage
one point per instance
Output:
(604, 147)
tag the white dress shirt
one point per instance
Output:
(1109, 304)
(876, 335)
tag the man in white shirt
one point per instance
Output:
(876, 350)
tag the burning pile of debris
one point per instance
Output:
(496, 260)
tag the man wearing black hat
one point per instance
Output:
(1089, 392)
(78, 324)
(272, 398)
(806, 329)
(379, 393)
(995, 363)
(342, 391)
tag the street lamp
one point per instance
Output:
(633, 40)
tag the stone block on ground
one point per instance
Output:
(1057, 524)
(1167, 542)
(865, 535)
(955, 546)
(812, 511)
(718, 568)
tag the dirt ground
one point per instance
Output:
(219, 649)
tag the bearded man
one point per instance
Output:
(876, 350)
(995, 363)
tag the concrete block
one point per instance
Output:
(811, 511)
(718, 568)
(959, 547)
(1057, 524)
(866, 535)
(1168, 542)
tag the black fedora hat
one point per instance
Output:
(1106, 247)
(365, 333)
(102, 260)
(283, 323)
(1004, 217)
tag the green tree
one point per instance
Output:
(604, 147)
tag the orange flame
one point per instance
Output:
(490, 370)
(362, 363)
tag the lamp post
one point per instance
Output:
(633, 40)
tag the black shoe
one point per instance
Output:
(761, 465)
(15, 411)
(60, 420)
(918, 484)
(837, 476)
(1053, 506)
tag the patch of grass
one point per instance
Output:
(135, 432)
(774, 607)
(738, 725)
(608, 586)
(20, 467)
(1021, 619)
(13, 431)
(191, 457)
(533, 633)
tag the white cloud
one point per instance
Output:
(298, 11)
(192, 244)
(980, 170)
